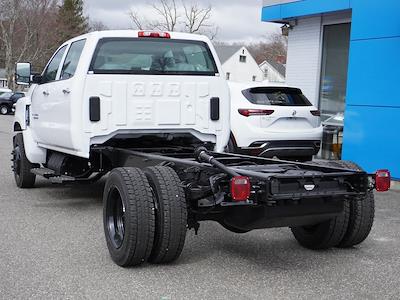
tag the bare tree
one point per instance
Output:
(168, 13)
(197, 20)
(167, 16)
(271, 48)
(138, 22)
(21, 31)
(191, 18)
(97, 26)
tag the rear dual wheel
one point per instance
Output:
(128, 215)
(171, 214)
(144, 215)
(348, 229)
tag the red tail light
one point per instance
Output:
(382, 180)
(154, 34)
(316, 113)
(240, 188)
(255, 112)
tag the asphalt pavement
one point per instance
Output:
(52, 246)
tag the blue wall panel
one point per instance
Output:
(271, 13)
(312, 7)
(372, 116)
(374, 72)
(371, 138)
(375, 18)
(302, 8)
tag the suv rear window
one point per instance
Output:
(152, 56)
(276, 96)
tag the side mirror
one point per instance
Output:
(23, 73)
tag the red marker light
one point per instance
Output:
(154, 34)
(382, 180)
(240, 188)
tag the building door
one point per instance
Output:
(335, 58)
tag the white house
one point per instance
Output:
(273, 71)
(3, 79)
(238, 64)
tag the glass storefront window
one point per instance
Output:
(335, 57)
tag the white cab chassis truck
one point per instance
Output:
(151, 111)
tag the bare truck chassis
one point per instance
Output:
(153, 195)
(283, 193)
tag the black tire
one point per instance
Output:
(4, 110)
(325, 235)
(171, 214)
(128, 216)
(362, 214)
(21, 165)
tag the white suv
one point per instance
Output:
(273, 121)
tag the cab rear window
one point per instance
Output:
(276, 96)
(152, 56)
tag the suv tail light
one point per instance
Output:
(382, 180)
(316, 113)
(240, 188)
(154, 34)
(255, 112)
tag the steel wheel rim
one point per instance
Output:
(115, 217)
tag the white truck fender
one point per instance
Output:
(34, 153)
(20, 117)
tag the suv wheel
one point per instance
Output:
(231, 147)
(4, 110)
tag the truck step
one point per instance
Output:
(61, 179)
(52, 176)
(44, 172)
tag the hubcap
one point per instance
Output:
(115, 217)
(4, 110)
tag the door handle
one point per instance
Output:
(66, 91)
(46, 93)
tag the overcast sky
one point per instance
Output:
(238, 20)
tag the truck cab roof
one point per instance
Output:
(135, 34)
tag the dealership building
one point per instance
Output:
(345, 56)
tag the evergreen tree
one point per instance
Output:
(71, 20)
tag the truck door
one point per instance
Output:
(51, 109)
(44, 122)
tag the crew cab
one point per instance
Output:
(151, 112)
